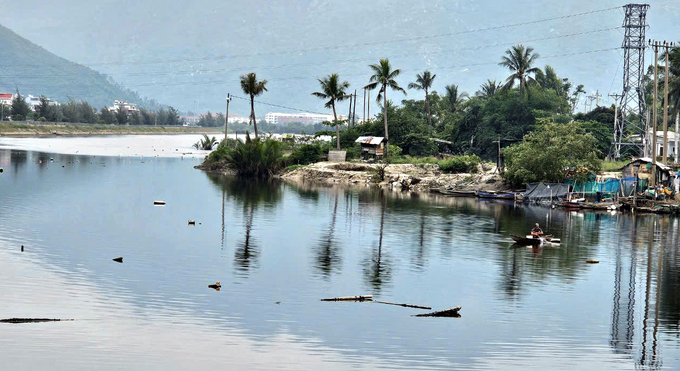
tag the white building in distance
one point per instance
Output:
(124, 106)
(303, 117)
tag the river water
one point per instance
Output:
(278, 248)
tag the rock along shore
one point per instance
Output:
(418, 178)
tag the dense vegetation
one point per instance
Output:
(82, 112)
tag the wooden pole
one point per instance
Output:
(349, 114)
(665, 111)
(351, 298)
(677, 136)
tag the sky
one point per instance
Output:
(190, 53)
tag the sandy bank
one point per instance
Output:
(23, 130)
(418, 178)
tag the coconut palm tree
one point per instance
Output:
(384, 76)
(489, 88)
(251, 86)
(424, 82)
(519, 61)
(453, 98)
(333, 90)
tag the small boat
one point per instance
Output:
(535, 241)
(457, 193)
(498, 195)
(530, 240)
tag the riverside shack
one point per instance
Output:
(371, 147)
(642, 167)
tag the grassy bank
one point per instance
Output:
(28, 130)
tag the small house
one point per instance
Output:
(642, 168)
(372, 147)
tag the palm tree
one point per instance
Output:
(251, 86)
(384, 76)
(519, 60)
(453, 98)
(424, 82)
(333, 90)
(489, 88)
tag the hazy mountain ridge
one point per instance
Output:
(36, 71)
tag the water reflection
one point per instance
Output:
(377, 269)
(328, 258)
(526, 309)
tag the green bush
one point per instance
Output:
(42, 119)
(255, 159)
(353, 152)
(306, 154)
(460, 164)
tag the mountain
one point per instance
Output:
(35, 71)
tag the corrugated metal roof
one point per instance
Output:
(649, 160)
(370, 140)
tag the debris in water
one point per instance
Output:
(216, 286)
(451, 312)
(404, 305)
(591, 261)
(22, 248)
(192, 222)
(351, 298)
(1, 170)
(159, 202)
(118, 259)
(32, 320)
(278, 302)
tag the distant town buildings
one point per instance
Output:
(124, 106)
(6, 99)
(303, 117)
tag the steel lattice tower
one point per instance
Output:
(631, 118)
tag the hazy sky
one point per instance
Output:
(190, 53)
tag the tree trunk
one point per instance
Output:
(427, 103)
(252, 113)
(387, 136)
(337, 127)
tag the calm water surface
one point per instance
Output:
(279, 248)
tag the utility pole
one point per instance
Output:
(592, 98)
(368, 107)
(616, 97)
(349, 114)
(654, 113)
(364, 120)
(226, 120)
(354, 114)
(597, 98)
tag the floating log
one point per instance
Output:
(192, 222)
(403, 305)
(351, 298)
(591, 261)
(118, 259)
(22, 248)
(452, 312)
(159, 203)
(216, 286)
(32, 320)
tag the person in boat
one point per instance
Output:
(537, 231)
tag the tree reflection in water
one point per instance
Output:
(328, 257)
(378, 270)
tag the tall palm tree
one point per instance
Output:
(489, 88)
(424, 82)
(519, 61)
(453, 98)
(333, 90)
(384, 76)
(251, 86)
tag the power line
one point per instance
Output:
(354, 45)
(236, 69)
(278, 105)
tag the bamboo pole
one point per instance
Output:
(351, 298)
(451, 312)
(403, 305)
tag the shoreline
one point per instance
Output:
(26, 130)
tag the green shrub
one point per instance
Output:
(42, 119)
(206, 143)
(306, 154)
(460, 164)
(255, 159)
(353, 152)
